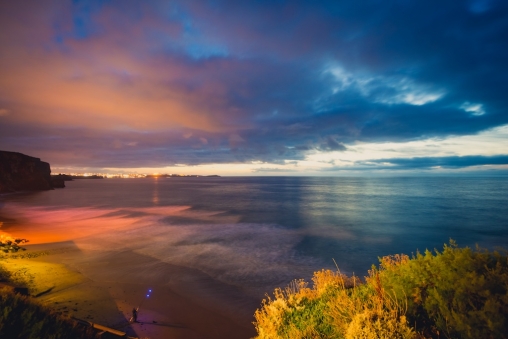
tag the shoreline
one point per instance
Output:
(103, 286)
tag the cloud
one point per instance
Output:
(272, 170)
(387, 90)
(474, 109)
(331, 144)
(444, 162)
(194, 82)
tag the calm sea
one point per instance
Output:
(261, 232)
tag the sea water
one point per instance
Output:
(258, 233)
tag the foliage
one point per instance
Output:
(457, 293)
(23, 317)
(336, 307)
(4, 274)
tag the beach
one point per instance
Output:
(81, 274)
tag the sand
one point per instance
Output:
(64, 270)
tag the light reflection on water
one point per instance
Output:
(155, 195)
(263, 232)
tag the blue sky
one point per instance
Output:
(257, 87)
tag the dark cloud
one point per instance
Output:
(127, 149)
(331, 144)
(444, 162)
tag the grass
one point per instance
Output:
(24, 317)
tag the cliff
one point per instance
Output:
(19, 172)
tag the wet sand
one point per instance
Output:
(79, 273)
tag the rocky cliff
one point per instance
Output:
(19, 172)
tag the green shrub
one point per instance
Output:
(293, 313)
(457, 293)
(23, 317)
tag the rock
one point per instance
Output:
(64, 177)
(20, 172)
(58, 181)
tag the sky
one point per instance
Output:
(374, 87)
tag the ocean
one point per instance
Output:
(258, 233)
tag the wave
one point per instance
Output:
(254, 256)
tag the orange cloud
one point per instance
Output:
(103, 82)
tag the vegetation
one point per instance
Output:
(23, 317)
(4, 274)
(456, 293)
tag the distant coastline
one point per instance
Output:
(68, 177)
(72, 176)
(180, 176)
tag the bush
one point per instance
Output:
(23, 317)
(457, 293)
(336, 307)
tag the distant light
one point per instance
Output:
(149, 290)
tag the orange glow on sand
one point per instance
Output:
(41, 226)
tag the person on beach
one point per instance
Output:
(134, 315)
